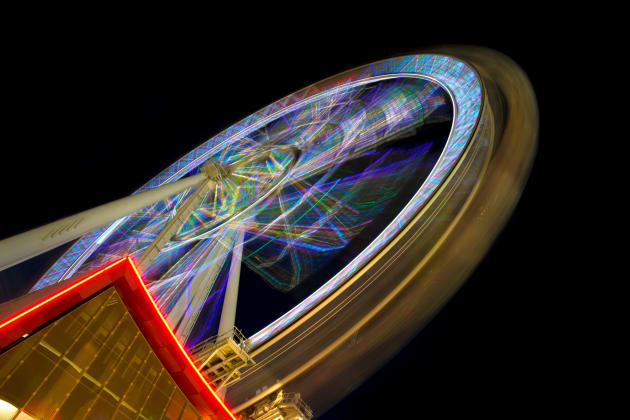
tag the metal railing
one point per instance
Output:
(210, 343)
(296, 400)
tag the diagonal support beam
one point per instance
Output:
(29, 244)
(177, 221)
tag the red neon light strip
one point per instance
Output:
(192, 364)
(27, 320)
(59, 294)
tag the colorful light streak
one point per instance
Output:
(292, 232)
(30, 318)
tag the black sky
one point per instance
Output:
(88, 121)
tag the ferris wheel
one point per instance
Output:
(362, 202)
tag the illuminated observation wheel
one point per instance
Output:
(338, 219)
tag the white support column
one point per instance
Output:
(228, 312)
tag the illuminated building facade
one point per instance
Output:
(97, 348)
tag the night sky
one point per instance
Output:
(90, 121)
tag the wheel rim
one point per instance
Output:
(172, 273)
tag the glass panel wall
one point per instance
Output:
(94, 363)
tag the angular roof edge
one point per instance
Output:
(124, 276)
